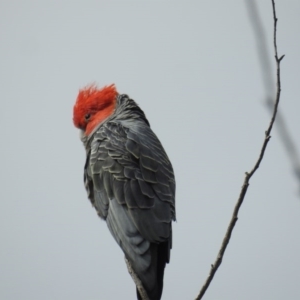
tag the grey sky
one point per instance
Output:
(193, 68)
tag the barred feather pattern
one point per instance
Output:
(130, 182)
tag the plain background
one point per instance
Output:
(193, 68)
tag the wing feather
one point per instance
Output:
(130, 182)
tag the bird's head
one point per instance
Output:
(93, 105)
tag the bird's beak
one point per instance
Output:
(81, 134)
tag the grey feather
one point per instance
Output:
(130, 182)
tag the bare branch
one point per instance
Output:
(243, 192)
(267, 76)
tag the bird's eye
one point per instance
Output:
(87, 117)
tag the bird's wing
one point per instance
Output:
(131, 184)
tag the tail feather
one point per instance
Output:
(159, 256)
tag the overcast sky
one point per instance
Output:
(193, 68)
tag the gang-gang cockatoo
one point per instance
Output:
(129, 180)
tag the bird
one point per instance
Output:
(129, 180)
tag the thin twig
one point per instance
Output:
(267, 76)
(248, 175)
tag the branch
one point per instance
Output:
(266, 71)
(248, 175)
(137, 281)
(288, 143)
